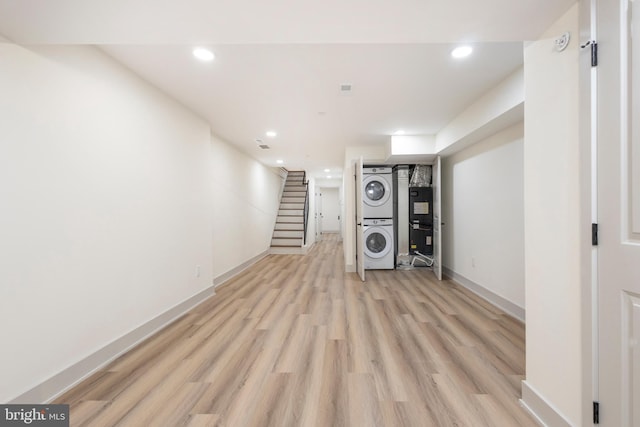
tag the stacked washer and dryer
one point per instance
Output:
(377, 197)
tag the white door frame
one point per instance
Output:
(588, 133)
(359, 219)
(318, 213)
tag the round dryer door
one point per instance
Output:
(377, 242)
(376, 190)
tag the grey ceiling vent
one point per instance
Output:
(262, 145)
(345, 87)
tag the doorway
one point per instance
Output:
(329, 209)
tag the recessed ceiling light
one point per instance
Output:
(203, 54)
(461, 51)
(327, 170)
(329, 176)
(279, 161)
(399, 132)
(271, 134)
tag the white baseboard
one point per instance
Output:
(495, 299)
(74, 374)
(237, 270)
(545, 413)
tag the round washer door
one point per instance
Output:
(377, 242)
(376, 190)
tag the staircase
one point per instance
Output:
(289, 233)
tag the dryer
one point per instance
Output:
(378, 244)
(377, 192)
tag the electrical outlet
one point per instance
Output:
(197, 271)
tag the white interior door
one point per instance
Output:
(618, 124)
(359, 220)
(437, 218)
(330, 212)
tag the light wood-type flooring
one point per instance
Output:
(295, 341)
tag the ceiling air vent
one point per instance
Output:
(345, 88)
(261, 144)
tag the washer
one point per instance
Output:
(377, 192)
(378, 244)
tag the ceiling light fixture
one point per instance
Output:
(327, 170)
(203, 54)
(328, 176)
(461, 52)
(399, 132)
(279, 161)
(271, 134)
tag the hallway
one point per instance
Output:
(294, 341)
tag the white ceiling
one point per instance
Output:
(280, 63)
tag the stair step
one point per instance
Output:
(288, 234)
(288, 250)
(286, 242)
(297, 200)
(293, 193)
(300, 188)
(289, 226)
(290, 219)
(291, 212)
(298, 205)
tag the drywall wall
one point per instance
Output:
(246, 196)
(327, 183)
(483, 213)
(106, 208)
(497, 109)
(552, 220)
(404, 149)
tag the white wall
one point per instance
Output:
(328, 183)
(112, 194)
(552, 219)
(497, 109)
(106, 209)
(483, 212)
(246, 197)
